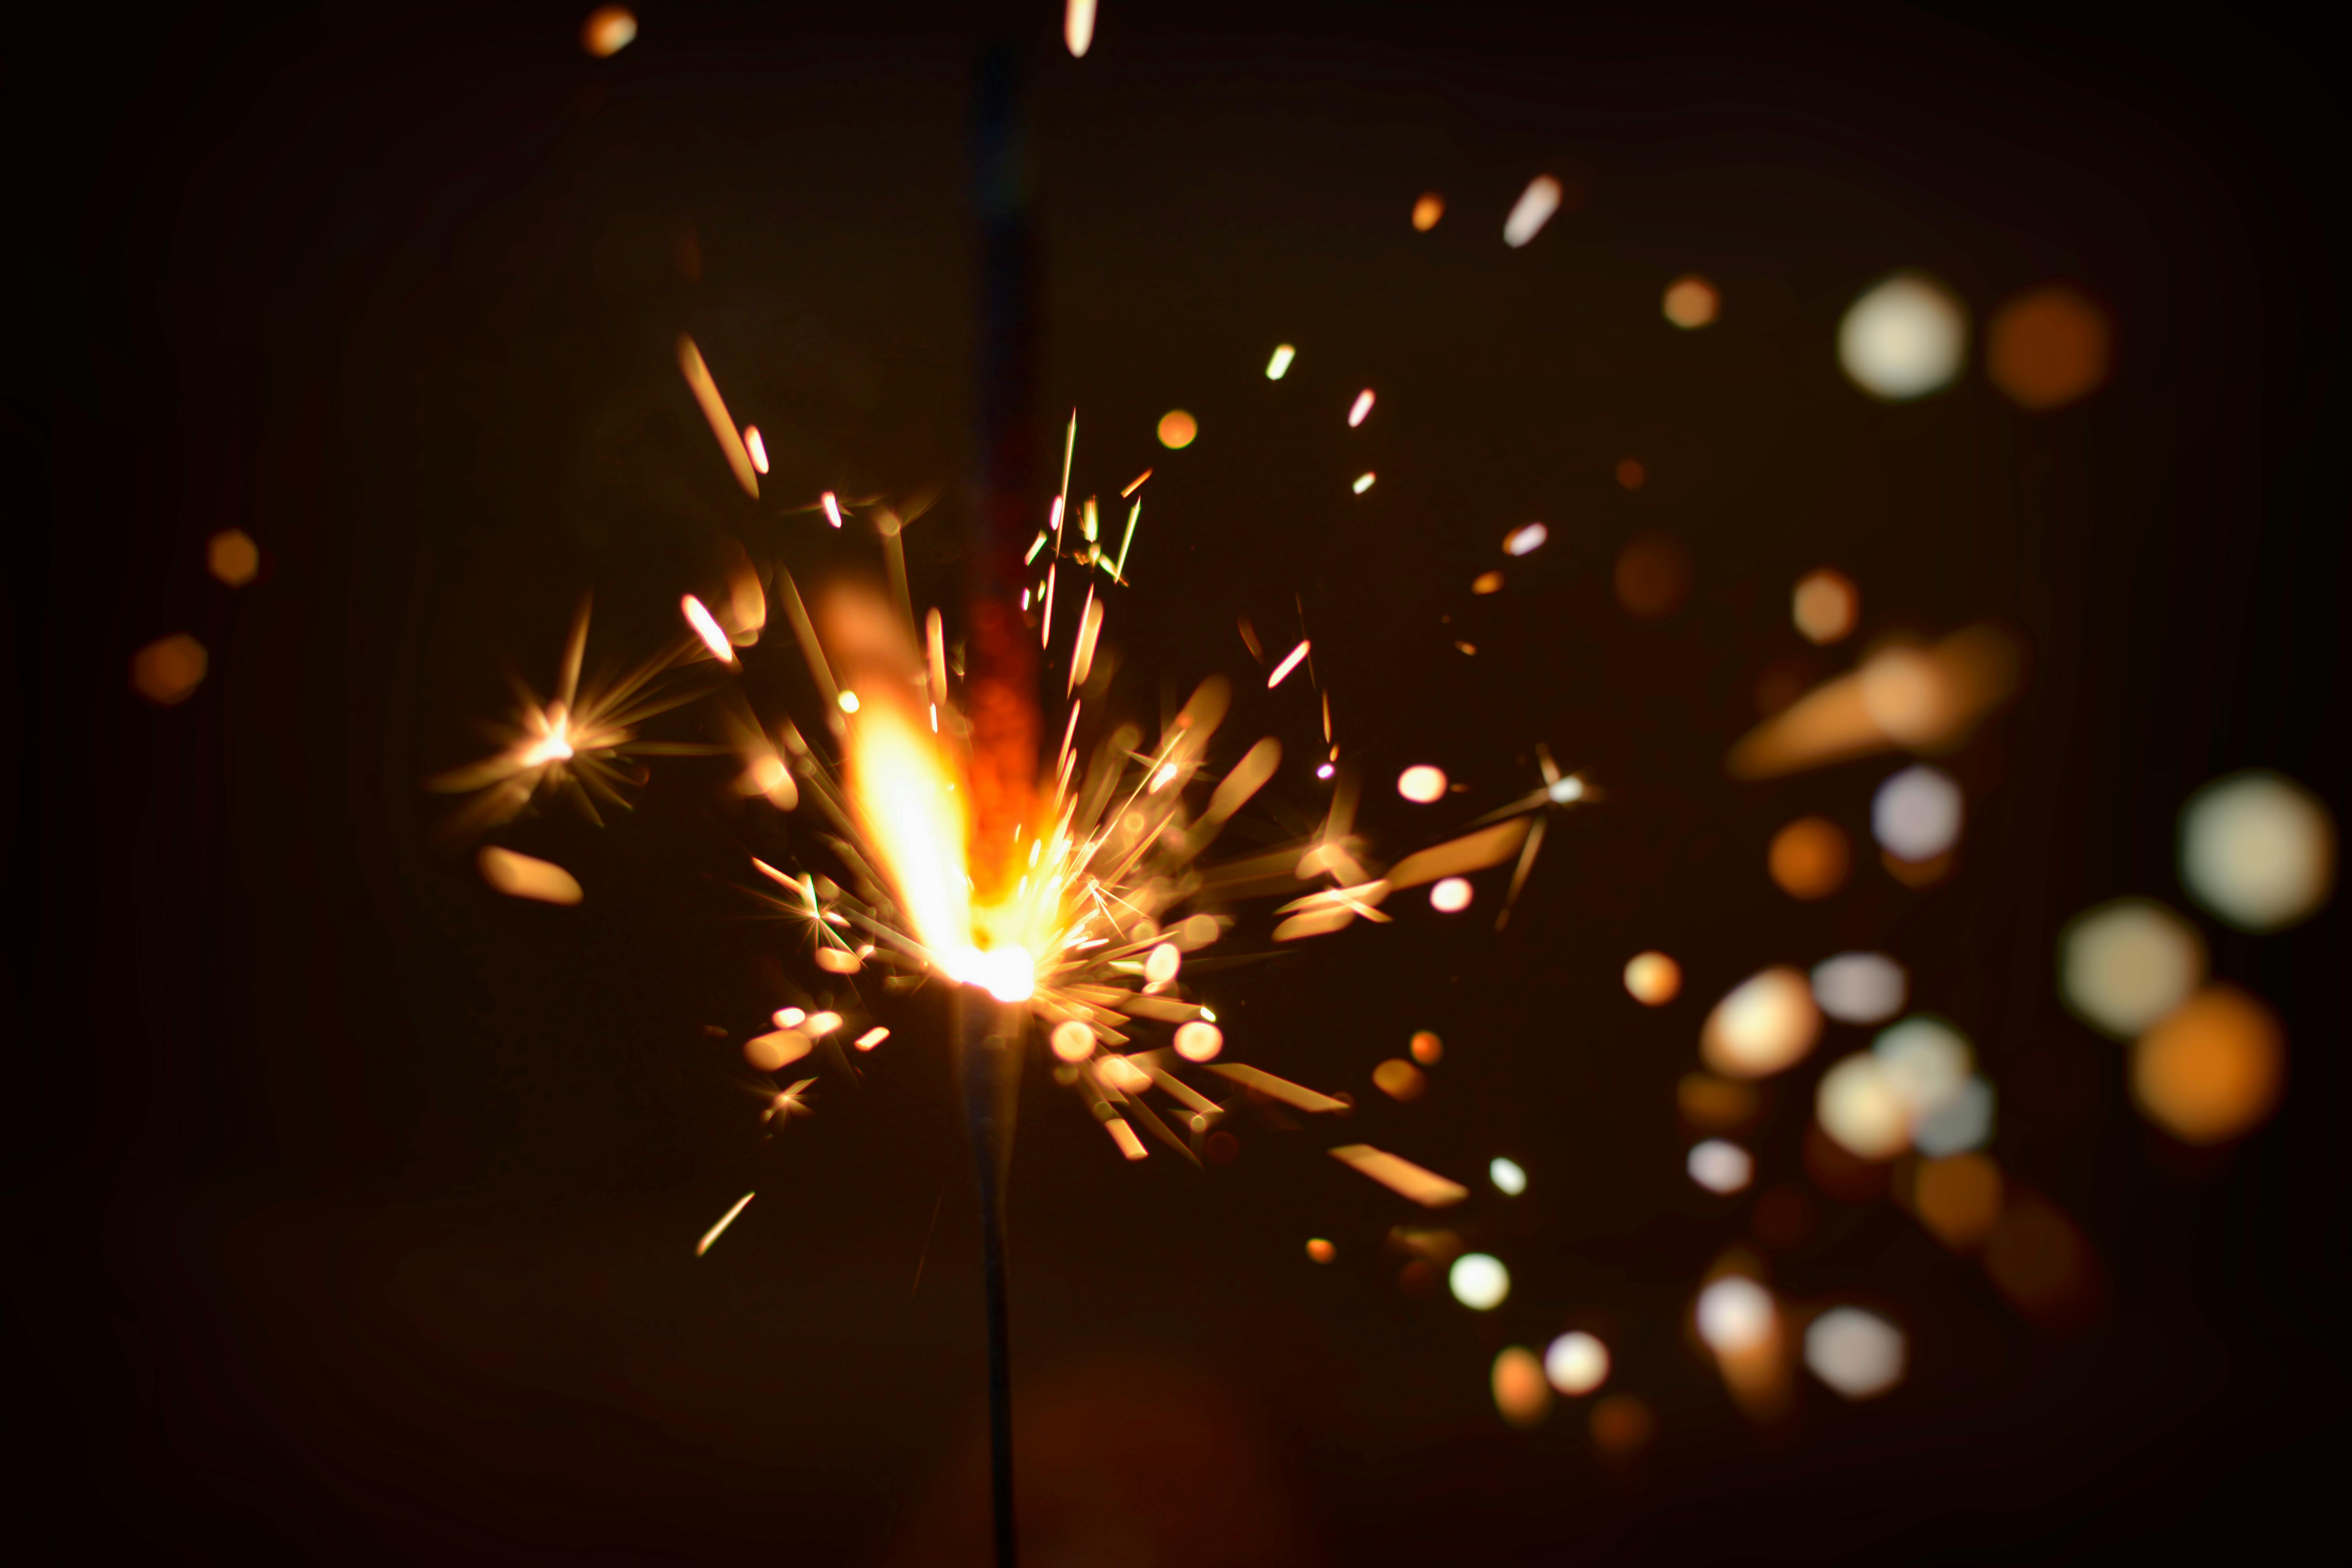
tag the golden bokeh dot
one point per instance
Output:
(1809, 859)
(1177, 429)
(1957, 1198)
(1321, 1251)
(2212, 1070)
(608, 30)
(233, 557)
(1427, 211)
(1426, 1047)
(1825, 606)
(1399, 1080)
(169, 669)
(1691, 303)
(1522, 1393)
(1486, 582)
(1653, 979)
(2047, 348)
(1651, 576)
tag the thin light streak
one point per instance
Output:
(716, 1231)
(1279, 365)
(756, 447)
(714, 409)
(1135, 484)
(1363, 406)
(1364, 482)
(832, 504)
(1290, 662)
(706, 626)
(1534, 209)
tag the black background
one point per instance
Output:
(351, 1207)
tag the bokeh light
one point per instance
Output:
(2124, 966)
(1279, 365)
(2258, 849)
(1631, 474)
(1860, 987)
(1959, 1198)
(1526, 538)
(1825, 606)
(1736, 1314)
(1809, 857)
(1532, 211)
(1451, 895)
(608, 30)
(1521, 1394)
(1078, 27)
(1426, 1047)
(1422, 783)
(776, 1050)
(1903, 338)
(1721, 1167)
(232, 557)
(1199, 1042)
(1576, 1362)
(1177, 429)
(2038, 1258)
(1916, 814)
(1908, 692)
(1427, 211)
(1399, 1080)
(1073, 1041)
(1857, 1104)
(169, 669)
(1653, 979)
(2211, 1071)
(1478, 1281)
(1652, 576)
(1860, 1354)
(1321, 1251)
(2047, 348)
(1622, 1426)
(1691, 301)
(527, 877)
(1486, 582)
(1764, 1024)
(1508, 1179)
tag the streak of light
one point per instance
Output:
(790, 1017)
(1363, 406)
(1521, 1395)
(1279, 365)
(714, 409)
(232, 557)
(1720, 1167)
(2048, 348)
(1526, 540)
(1825, 606)
(1576, 1362)
(1653, 979)
(1090, 622)
(2258, 849)
(527, 877)
(1860, 987)
(1451, 895)
(1427, 211)
(1288, 1092)
(2124, 966)
(608, 30)
(1860, 1354)
(716, 1231)
(1135, 484)
(832, 505)
(1903, 338)
(1399, 1080)
(1178, 430)
(1119, 571)
(936, 656)
(1422, 783)
(1901, 698)
(1400, 1176)
(1534, 209)
(1364, 482)
(1765, 1023)
(1289, 663)
(169, 669)
(757, 447)
(1479, 1281)
(1509, 1178)
(1320, 1250)
(706, 626)
(1078, 27)
(1691, 303)
(2213, 1071)
(1124, 1136)
(1458, 857)
(871, 1037)
(775, 1051)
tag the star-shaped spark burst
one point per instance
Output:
(1559, 789)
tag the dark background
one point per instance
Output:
(351, 1207)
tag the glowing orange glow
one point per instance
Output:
(1765, 1023)
(902, 788)
(527, 877)
(756, 447)
(608, 30)
(2041, 1261)
(1399, 1080)
(2048, 348)
(1809, 859)
(1422, 783)
(1901, 698)
(1957, 1198)
(1073, 1041)
(820, 1025)
(1290, 662)
(1178, 430)
(1078, 27)
(1826, 605)
(232, 557)
(1631, 474)
(1124, 1136)
(1691, 303)
(1521, 1394)
(1321, 1251)
(2211, 1071)
(774, 1052)
(837, 961)
(706, 626)
(1486, 582)
(1653, 979)
(1651, 577)
(1714, 1104)
(1401, 1175)
(790, 1017)
(714, 409)
(1622, 1426)
(1427, 211)
(1363, 406)
(169, 669)
(1426, 1047)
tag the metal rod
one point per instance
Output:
(989, 1035)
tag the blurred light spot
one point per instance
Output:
(1363, 406)
(1321, 1251)
(1903, 338)
(1363, 482)
(848, 700)
(1860, 987)
(1073, 1041)
(1576, 1362)
(1653, 979)
(1123, 1075)
(834, 960)
(1809, 859)
(819, 1024)
(1691, 303)
(1486, 582)
(1958, 1124)
(774, 1052)
(1427, 211)
(1426, 1047)
(1764, 1024)
(1957, 1198)
(2258, 849)
(1422, 783)
(1159, 965)
(757, 447)
(2038, 1259)
(871, 1037)
(527, 877)
(2048, 348)
(169, 669)
(1916, 814)
(1826, 605)
(1325, 771)
(706, 626)
(1622, 1426)
(232, 556)
(1450, 895)
(1736, 1314)
(1525, 540)
(1177, 429)
(832, 505)
(1508, 1179)
(1531, 211)
(1078, 27)
(1908, 694)
(1651, 576)
(1399, 1080)
(2210, 1072)
(608, 30)
(1927, 1061)
(1858, 1353)
(1712, 1103)
(1521, 1394)
(1562, 791)
(1967, 675)
(1478, 1281)
(2124, 966)
(1721, 1167)
(1199, 1042)
(1631, 474)
(1279, 365)
(1289, 663)
(1857, 1106)
(790, 1017)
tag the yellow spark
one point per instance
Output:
(706, 626)
(716, 1231)
(1289, 663)
(714, 409)
(1363, 406)
(1364, 482)
(1279, 365)
(832, 504)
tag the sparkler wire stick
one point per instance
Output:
(989, 1045)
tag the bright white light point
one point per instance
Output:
(1422, 783)
(872, 1038)
(1162, 779)
(1902, 339)
(790, 1017)
(1478, 1281)
(1532, 211)
(1721, 1167)
(1860, 987)
(1451, 896)
(820, 1025)
(1508, 1179)
(1279, 365)
(848, 701)
(1857, 1106)
(2126, 966)
(1199, 1042)
(757, 447)
(1007, 974)
(1324, 771)
(1566, 791)
(706, 626)
(1364, 482)
(1073, 1041)
(1858, 1353)
(1078, 27)
(1289, 663)
(2258, 849)
(1764, 1024)
(1735, 1314)
(1576, 1362)
(1526, 538)
(832, 507)
(1363, 406)
(1915, 816)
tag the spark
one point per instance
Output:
(1289, 663)
(1364, 482)
(714, 409)
(757, 447)
(1534, 209)
(1078, 27)
(1279, 365)
(716, 1231)
(1363, 406)
(1135, 484)
(706, 626)
(832, 504)
(525, 877)
(1401, 1175)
